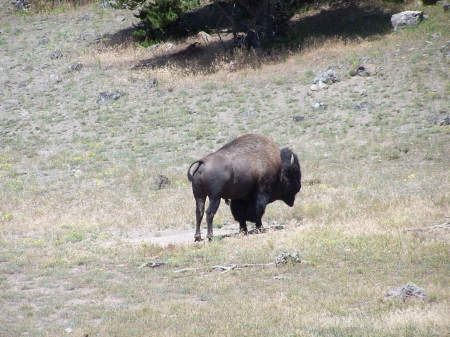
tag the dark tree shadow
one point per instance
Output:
(348, 22)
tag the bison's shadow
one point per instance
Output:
(253, 231)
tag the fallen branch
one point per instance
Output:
(151, 264)
(184, 270)
(72, 171)
(235, 266)
(443, 225)
(225, 269)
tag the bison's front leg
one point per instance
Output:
(256, 210)
(210, 212)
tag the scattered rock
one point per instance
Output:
(406, 19)
(410, 290)
(120, 18)
(319, 106)
(83, 36)
(298, 118)
(55, 78)
(107, 4)
(160, 181)
(21, 4)
(445, 50)
(249, 114)
(104, 97)
(192, 111)
(327, 77)
(85, 16)
(56, 55)
(68, 330)
(286, 257)
(444, 5)
(314, 87)
(205, 37)
(75, 67)
(43, 41)
(440, 120)
(364, 70)
(363, 106)
(151, 83)
(42, 66)
(23, 84)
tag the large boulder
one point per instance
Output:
(406, 19)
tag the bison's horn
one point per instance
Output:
(292, 159)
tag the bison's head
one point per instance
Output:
(291, 176)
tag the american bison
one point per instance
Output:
(249, 173)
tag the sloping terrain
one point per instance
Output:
(80, 209)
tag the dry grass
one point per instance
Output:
(71, 242)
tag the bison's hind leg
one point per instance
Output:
(214, 203)
(200, 210)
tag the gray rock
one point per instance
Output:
(410, 290)
(55, 78)
(328, 77)
(23, 84)
(440, 120)
(444, 5)
(21, 4)
(56, 55)
(151, 83)
(160, 181)
(75, 67)
(406, 19)
(104, 97)
(363, 106)
(287, 257)
(249, 114)
(319, 106)
(298, 118)
(364, 70)
(43, 41)
(42, 66)
(445, 50)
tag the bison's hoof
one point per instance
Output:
(197, 238)
(243, 231)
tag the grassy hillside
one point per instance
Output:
(79, 212)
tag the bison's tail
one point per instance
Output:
(191, 176)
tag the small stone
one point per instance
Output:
(319, 106)
(363, 106)
(440, 120)
(56, 55)
(75, 67)
(314, 87)
(160, 181)
(286, 257)
(298, 118)
(68, 330)
(104, 97)
(410, 290)
(151, 83)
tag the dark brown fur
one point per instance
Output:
(250, 172)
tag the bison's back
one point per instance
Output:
(255, 153)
